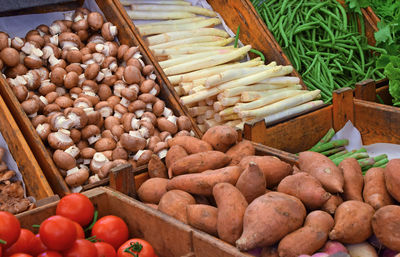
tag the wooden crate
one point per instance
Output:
(168, 236)
(377, 123)
(125, 36)
(35, 182)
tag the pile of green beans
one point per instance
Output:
(322, 41)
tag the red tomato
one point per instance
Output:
(38, 246)
(138, 246)
(24, 243)
(57, 233)
(76, 207)
(80, 234)
(50, 254)
(81, 248)
(9, 228)
(20, 255)
(111, 229)
(104, 250)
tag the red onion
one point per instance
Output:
(332, 247)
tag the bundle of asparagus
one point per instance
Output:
(213, 78)
(335, 150)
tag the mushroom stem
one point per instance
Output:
(94, 139)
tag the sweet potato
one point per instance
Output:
(331, 205)
(221, 137)
(152, 190)
(323, 169)
(176, 152)
(352, 222)
(269, 218)
(174, 202)
(190, 144)
(251, 182)
(200, 162)
(240, 150)
(296, 169)
(156, 168)
(305, 187)
(392, 178)
(231, 207)
(203, 183)
(386, 226)
(375, 192)
(274, 169)
(203, 217)
(308, 239)
(269, 251)
(353, 179)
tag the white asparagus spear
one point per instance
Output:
(248, 80)
(211, 123)
(220, 118)
(221, 42)
(202, 127)
(209, 114)
(281, 105)
(207, 62)
(233, 123)
(168, 22)
(211, 71)
(218, 106)
(190, 57)
(227, 111)
(200, 119)
(293, 111)
(176, 35)
(228, 101)
(266, 100)
(198, 110)
(179, 90)
(184, 41)
(175, 2)
(231, 75)
(286, 80)
(249, 96)
(174, 8)
(254, 87)
(196, 89)
(179, 27)
(210, 101)
(186, 50)
(151, 15)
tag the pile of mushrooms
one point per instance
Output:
(92, 100)
(11, 192)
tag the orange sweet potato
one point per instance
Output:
(152, 190)
(220, 137)
(203, 183)
(309, 238)
(156, 168)
(392, 178)
(203, 217)
(231, 207)
(331, 205)
(176, 152)
(190, 144)
(274, 169)
(352, 222)
(200, 162)
(323, 169)
(353, 179)
(174, 202)
(252, 182)
(305, 187)
(386, 226)
(269, 218)
(240, 150)
(375, 192)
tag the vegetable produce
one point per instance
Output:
(353, 179)
(203, 217)
(263, 225)
(385, 225)
(306, 188)
(352, 222)
(76, 207)
(309, 238)
(136, 246)
(105, 249)
(322, 41)
(81, 247)
(152, 190)
(251, 182)
(375, 192)
(392, 179)
(190, 144)
(323, 169)
(174, 204)
(240, 150)
(331, 205)
(221, 138)
(231, 206)
(332, 247)
(362, 249)
(10, 229)
(111, 229)
(57, 233)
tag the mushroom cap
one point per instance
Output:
(104, 92)
(71, 80)
(65, 37)
(43, 129)
(153, 142)
(21, 92)
(78, 115)
(149, 116)
(160, 146)
(39, 119)
(74, 67)
(136, 105)
(134, 62)
(35, 39)
(47, 87)
(132, 75)
(33, 62)
(148, 98)
(129, 93)
(158, 108)
(184, 123)
(105, 144)
(78, 178)
(119, 153)
(132, 143)
(87, 153)
(64, 102)
(111, 121)
(121, 51)
(95, 20)
(147, 86)
(106, 31)
(183, 133)
(74, 55)
(9, 56)
(164, 135)
(144, 158)
(120, 108)
(76, 135)
(147, 70)
(113, 100)
(50, 108)
(80, 25)
(92, 71)
(3, 40)
(130, 52)
(59, 140)
(30, 106)
(57, 76)
(117, 131)
(64, 160)
(19, 69)
(89, 131)
(82, 102)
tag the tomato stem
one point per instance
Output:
(35, 226)
(3, 242)
(93, 239)
(96, 214)
(134, 247)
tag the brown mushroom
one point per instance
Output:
(113, 100)
(111, 121)
(10, 56)
(46, 87)
(21, 92)
(104, 108)
(91, 133)
(138, 107)
(142, 157)
(77, 116)
(158, 108)
(60, 139)
(97, 162)
(161, 149)
(30, 107)
(92, 71)
(133, 142)
(68, 39)
(77, 177)
(58, 27)
(43, 130)
(119, 153)
(95, 20)
(51, 108)
(132, 75)
(109, 31)
(39, 119)
(64, 102)
(57, 76)
(13, 72)
(3, 40)
(184, 123)
(105, 144)
(104, 92)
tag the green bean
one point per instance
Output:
(350, 56)
(283, 34)
(314, 8)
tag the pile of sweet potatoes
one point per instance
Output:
(219, 186)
